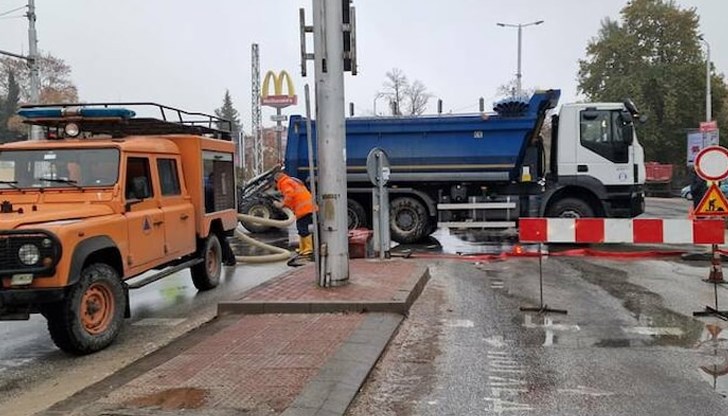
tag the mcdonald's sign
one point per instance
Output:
(278, 99)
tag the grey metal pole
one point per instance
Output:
(331, 134)
(518, 72)
(519, 26)
(279, 133)
(34, 62)
(320, 279)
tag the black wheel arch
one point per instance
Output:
(99, 248)
(590, 195)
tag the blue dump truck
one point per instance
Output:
(487, 170)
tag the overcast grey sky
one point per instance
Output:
(185, 53)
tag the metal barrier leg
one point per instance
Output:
(543, 308)
(713, 311)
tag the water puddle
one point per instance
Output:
(713, 351)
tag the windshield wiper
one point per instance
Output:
(11, 183)
(60, 180)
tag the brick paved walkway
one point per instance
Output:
(260, 363)
(371, 281)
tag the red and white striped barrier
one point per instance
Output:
(610, 230)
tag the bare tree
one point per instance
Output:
(395, 89)
(417, 98)
(56, 85)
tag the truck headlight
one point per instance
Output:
(29, 254)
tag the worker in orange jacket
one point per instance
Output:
(297, 197)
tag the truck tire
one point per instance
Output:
(92, 314)
(570, 208)
(257, 207)
(408, 218)
(357, 216)
(206, 275)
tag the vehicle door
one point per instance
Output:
(145, 220)
(177, 208)
(604, 153)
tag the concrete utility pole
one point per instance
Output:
(520, 27)
(331, 134)
(33, 63)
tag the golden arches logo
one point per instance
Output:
(278, 98)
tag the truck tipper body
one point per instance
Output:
(487, 170)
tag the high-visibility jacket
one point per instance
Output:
(295, 195)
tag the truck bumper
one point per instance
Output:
(627, 205)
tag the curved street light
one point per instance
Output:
(520, 27)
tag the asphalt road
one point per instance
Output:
(629, 344)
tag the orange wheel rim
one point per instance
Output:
(212, 262)
(97, 308)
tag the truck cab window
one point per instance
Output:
(138, 178)
(601, 132)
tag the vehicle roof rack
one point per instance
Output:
(119, 122)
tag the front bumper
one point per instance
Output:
(11, 298)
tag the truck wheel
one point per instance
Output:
(357, 216)
(258, 208)
(90, 317)
(408, 220)
(206, 275)
(570, 208)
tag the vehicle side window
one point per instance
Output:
(138, 178)
(168, 177)
(601, 133)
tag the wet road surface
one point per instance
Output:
(629, 344)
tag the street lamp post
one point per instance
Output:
(708, 103)
(520, 27)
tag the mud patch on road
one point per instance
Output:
(173, 399)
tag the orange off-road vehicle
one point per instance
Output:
(110, 201)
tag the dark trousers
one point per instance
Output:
(303, 223)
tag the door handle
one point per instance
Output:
(158, 223)
(582, 168)
(184, 216)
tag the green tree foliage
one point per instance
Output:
(8, 107)
(653, 55)
(228, 112)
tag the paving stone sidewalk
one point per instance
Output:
(267, 363)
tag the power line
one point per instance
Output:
(13, 10)
(12, 17)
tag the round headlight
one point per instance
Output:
(29, 254)
(71, 129)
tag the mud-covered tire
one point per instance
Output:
(91, 315)
(356, 215)
(570, 208)
(206, 275)
(409, 222)
(258, 207)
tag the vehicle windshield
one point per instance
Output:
(58, 168)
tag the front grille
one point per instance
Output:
(10, 243)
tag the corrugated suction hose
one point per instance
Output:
(279, 254)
